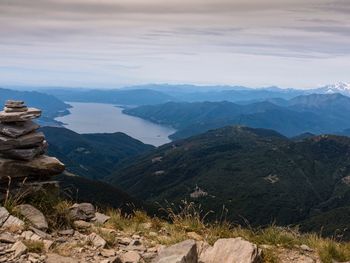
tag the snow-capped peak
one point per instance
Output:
(339, 87)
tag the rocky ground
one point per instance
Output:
(25, 237)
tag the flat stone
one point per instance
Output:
(40, 166)
(13, 221)
(15, 130)
(7, 238)
(55, 258)
(26, 141)
(82, 211)
(15, 109)
(31, 113)
(25, 154)
(33, 215)
(183, 252)
(19, 249)
(4, 214)
(100, 218)
(14, 103)
(229, 250)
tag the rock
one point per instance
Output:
(4, 214)
(97, 240)
(33, 215)
(13, 221)
(30, 114)
(82, 224)
(66, 232)
(7, 238)
(130, 257)
(26, 141)
(19, 249)
(40, 233)
(47, 244)
(108, 253)
(146, 225)
(183, 252)
(40, 166)
(25, 154)
(14, 103)
(15, 130)
(306, 248)
(100, 218)
(230, 250)
(83, 211)
(55, 258)
(124, 241)
(15, 109)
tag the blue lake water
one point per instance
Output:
(107, 118)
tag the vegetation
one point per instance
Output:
(92, 155)
(259, 176)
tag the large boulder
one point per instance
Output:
(40, 166)
(231, 250)
(183, 252)
(33, 215)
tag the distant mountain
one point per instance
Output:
(114, 96)
(92, 155)
(51, 106)
(340, 87)
(258, 175)
(315, 113)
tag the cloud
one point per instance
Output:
(118, 41)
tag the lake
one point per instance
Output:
(107, 118)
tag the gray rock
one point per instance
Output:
(55, 258)
(100, 218)
(80, 224)
(306, 248)
(40, 166)
(231, 250)
(15, 130)
(183, 252)
(19, 249)
(30, 114)
(66, 232)
(4, 214)
(33, 139)
(33, 215)
(26, 154)
(83, 211)
(97, 240)
(13, 221)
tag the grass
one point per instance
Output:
(178, 221)
(34, 246)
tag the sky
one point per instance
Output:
(114, 43)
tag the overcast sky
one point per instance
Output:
(111, 43)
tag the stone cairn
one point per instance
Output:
(22, 150)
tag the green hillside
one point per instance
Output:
(92, 155)
(257, 175)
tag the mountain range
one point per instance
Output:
(257, 175)
(315, 113)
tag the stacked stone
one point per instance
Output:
(22, 147)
